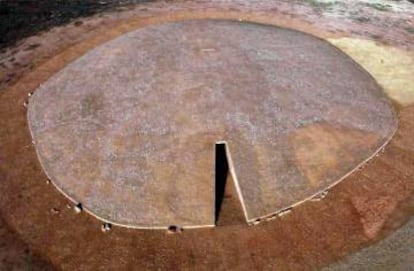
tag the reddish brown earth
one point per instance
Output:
(359, 211)
(15, 253)
(351, 216)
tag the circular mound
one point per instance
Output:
(129, 129)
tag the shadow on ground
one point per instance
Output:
(20, 19)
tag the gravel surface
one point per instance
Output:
(396, 252)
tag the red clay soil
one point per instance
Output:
(354, 214)
(16, 255)
(362, 209)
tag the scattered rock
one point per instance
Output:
(106, 227)
(174, 229)
(320, 196)
(55, 211)
(78, 208)
(270, 218)
(284, 212)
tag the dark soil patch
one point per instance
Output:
(20, 19)
(16, 255)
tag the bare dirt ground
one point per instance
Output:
(365, 208)
(15, 253)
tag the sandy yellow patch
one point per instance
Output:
(392, 67)
(322, 151)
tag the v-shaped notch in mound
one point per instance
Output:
(129, 129)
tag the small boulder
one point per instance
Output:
(174, 229)
(78, 208)
(106, 227)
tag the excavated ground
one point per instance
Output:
(366, 207)
(138, 144)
